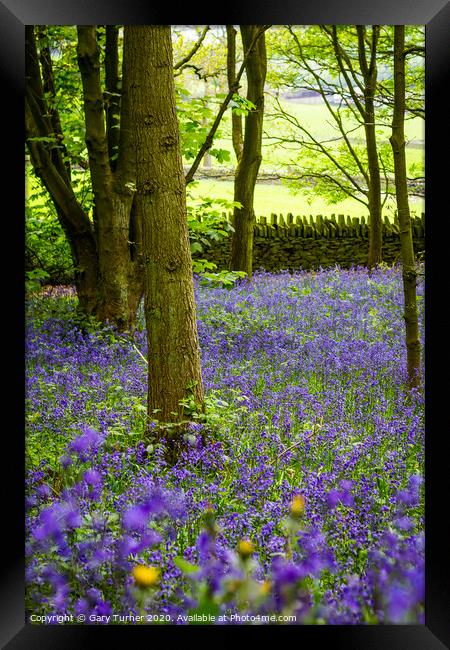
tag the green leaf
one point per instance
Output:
(222, 155)
(185, 566)
(196, 247)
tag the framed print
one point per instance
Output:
(208, 574)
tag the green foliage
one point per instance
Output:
(221, 155)
(332, 164)
(207, 223)
(224, 278)
(47, 252)
(217, 411)
(241, 105)
(195, 117)
(34, 280)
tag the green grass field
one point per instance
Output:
(277, 198)
(317, 118)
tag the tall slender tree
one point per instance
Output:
(173, 347)
(258, 34)
(236, 119)
(409, 273)
(369, 69)
(367, 56)
(249, 163)
(341, 64)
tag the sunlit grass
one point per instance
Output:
(277, 198)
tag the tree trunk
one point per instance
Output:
(369, 71)
(173, 347)
(248, 167)
(50, 168)
(374, 196)
(409, 274)
(113, 196)
(236, 120)
(107, 253)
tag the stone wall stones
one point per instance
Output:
(310, 243)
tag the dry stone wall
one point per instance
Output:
(312, 242)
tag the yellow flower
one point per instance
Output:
(146, 576)
(265, 587)
(297, 506)
(245, 548)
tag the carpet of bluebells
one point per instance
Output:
(298, 499)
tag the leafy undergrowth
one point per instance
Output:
(299, 500)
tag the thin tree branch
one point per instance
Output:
(180, 64)
(330, 34)
(414, 49)
(337, 118)
(322, 148)
(346, 189)
(60, 156)
(339, 56)
(139, 353)
(200, 73)
(210, 137)
(296, 444)
(34, 90)
(71, 213)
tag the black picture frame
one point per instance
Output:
(15, 633)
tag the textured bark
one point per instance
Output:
(248, 167)
(113, 200)
(397, 139)
(106, 253)
(173, 348)
(369, 71)
(236, 120)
